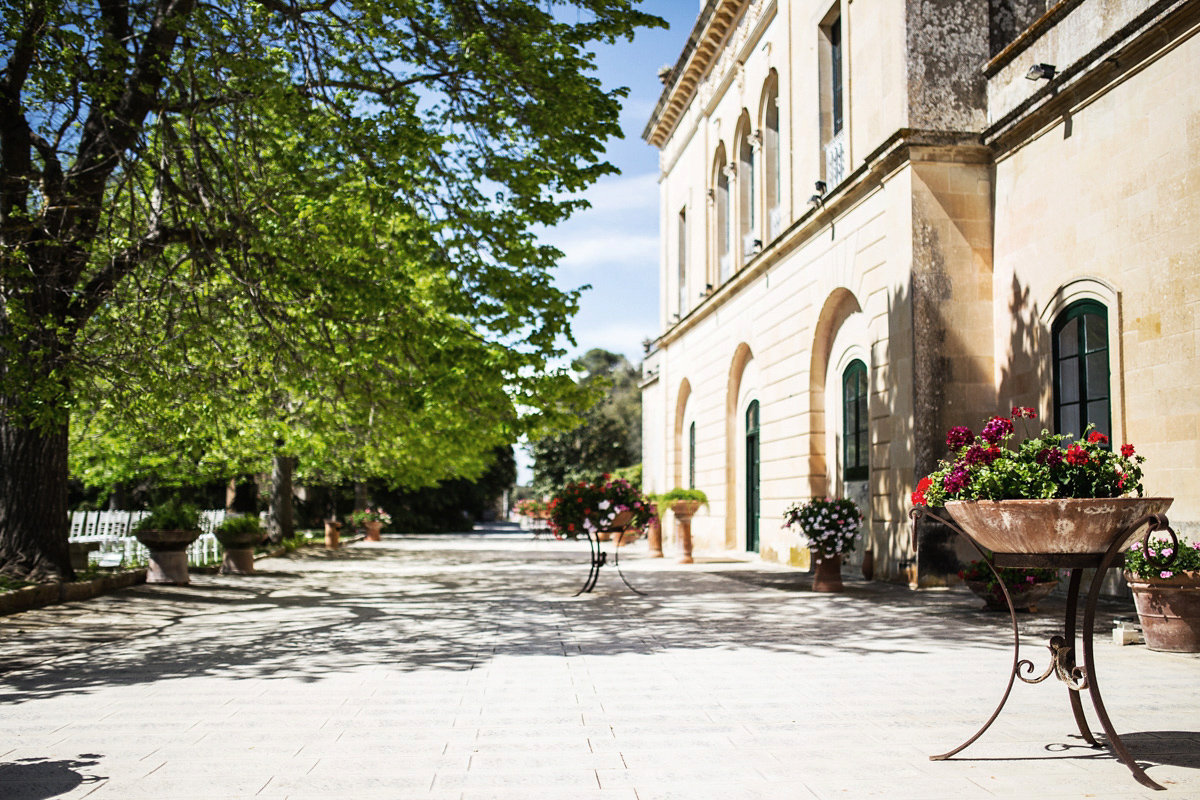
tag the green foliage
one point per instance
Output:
(240, 230)
(172, 515)
(677, 495)
(830, 525)
(10, 584)
(1015, 578)
(581, 506)
(240, 524)
(607, 425)
(1046, 466)
(370, 515)
(1163, 559)
(631, 474)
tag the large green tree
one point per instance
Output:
(606, 435)
(262, 226)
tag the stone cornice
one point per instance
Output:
(707, 60)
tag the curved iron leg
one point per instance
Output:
(1012, 674)
(1089, 620)
(1072, 611)
(617, 564)
(594, 572)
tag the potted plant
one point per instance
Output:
(684, 503)
(239, 535)
(1042, 494)
(831, 527)
(583, 508)
(533, 508)
(1026, 586)
(372, 521)
(166, 532)
(1164, 575)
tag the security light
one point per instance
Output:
(821, 187)
(1039, 71)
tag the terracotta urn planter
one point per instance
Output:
(333, 534)
(1169, 610)
(1064, 525)
(684, 510)
(654, 536)
(1024, 598)
(373, 530)
(827, 572)
(239, 551)
(168, 555)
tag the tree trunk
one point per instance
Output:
(280, 522)
(33, 502)
(361, 500)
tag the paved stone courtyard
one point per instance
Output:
(461, 667)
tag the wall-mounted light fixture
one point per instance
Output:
(1039, 71)
(708, 288)
(821, 187)
(816, 200)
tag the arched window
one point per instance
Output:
(692, 456)
(724, 218)
(772, 168)
(1081, 394)
(747, 196)
(752, 476)
(855, 430)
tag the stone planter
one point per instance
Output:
(684, 510)
(168, 555)
(1024, 598)
(1061, 526)
(1169, 610)
(827, 572)
(239, 551)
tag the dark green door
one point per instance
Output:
(752, 499)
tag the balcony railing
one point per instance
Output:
(835, 159)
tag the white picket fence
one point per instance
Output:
(118, 547)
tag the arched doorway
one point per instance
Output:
(752, 477)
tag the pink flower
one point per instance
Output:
(1166, 573)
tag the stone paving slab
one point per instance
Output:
(462, 667)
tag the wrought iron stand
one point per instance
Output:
(600, 559)
(1077, 677)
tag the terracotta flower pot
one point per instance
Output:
(1169, 610)
(333, 534)
(827, 572)
(373, 530)
(1064, 525)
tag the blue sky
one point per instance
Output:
(614, 244)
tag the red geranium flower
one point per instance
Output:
(918, 497)
(1097, 437)
(1127, 450)
(1076, 456)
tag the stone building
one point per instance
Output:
(883, 218)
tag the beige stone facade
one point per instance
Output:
(968, 215)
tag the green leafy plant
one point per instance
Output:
(8, 584)
(989, 466)
(236, 525)
(370, 515)
(172, 515)
(1015, 578)
(831, 525)
(1162, 559)
(581, 507)
(677, 495)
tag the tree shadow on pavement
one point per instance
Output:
(39, 778)
(419, 605)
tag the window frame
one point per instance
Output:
(860, 432)
(1081, 310)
